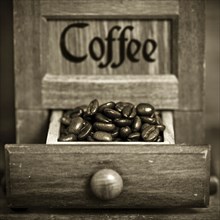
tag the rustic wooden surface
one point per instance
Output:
(189, 127)
(68, 91)
(54, 128)
(27, 54)
(154, 176)
(77, 42)
(211, 213)
(191, 54)
(161, 8)
(31, 126)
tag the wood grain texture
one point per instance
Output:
(106, 8)
(191, 50)
(78, 40)
(54, 128)
(189, 127)
(31, 126)
(68, 91)
(154, 176)
(210, 213)
(27, 54)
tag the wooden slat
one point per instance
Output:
(27, 54)
(31, 126)
(54, 129)
(191, 54)
(69, 91)
(154, 176)
(66, 8)
(189, 127)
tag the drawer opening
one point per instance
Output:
(54, 130)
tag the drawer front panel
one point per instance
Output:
(153, 176)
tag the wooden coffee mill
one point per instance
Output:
(70, 52)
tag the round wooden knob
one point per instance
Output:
(106, 184)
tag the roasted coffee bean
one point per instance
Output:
(149, 120)
(115, 133)
(85, 131)
(117, 139)
(90, 138)
(65, 120)
(129, 111)
(68, 137)
(63, 129)
(102, 136)
(100, 126)
(106, 105)
(122, 122)
(135, 136)
(76, 125)
(144, 126)
(120, 105)
(102, 118)
(136, 126)
(150, 133)
(161, 127)
(124, 132)
(76, 112)
(67, 113)
(111, 113)
(145, 109)
(93, 107)
(83, 107)
(159, 138)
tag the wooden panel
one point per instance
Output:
(189, 127)
(54, 129)
(191, 50)
(154, 176)
(31, 126)
(27, 54)
(78, 40)
(68, 91)
(56, 8)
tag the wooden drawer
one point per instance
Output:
(154, 175)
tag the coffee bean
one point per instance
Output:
(83, 107)
(111, 113)
(115, 132)
(90, 138)
(106, 105)
(122, 122)
(136, 126)
(85, 131)
(124, 132)
(159, 138)
(120, 105)
(150, 133)
(102, 136)
(65, 120)
(161, 127)
(129, 111)
(93, 107)
(144, 126)
(100, 126)
(102, 118)
(135, 136)
(75, 125)
(145, 109)
(76, 112)
(68, 137)
(149, 120)
(63, 129)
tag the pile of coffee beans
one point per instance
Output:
(121, 121)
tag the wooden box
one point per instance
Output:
(137, 51)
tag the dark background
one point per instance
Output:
(7, 110)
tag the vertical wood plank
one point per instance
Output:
(27, 54)
(189, 127)
(191, 50)
(31, 126)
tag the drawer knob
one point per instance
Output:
(106, 184)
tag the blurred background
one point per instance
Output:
(7, 111)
